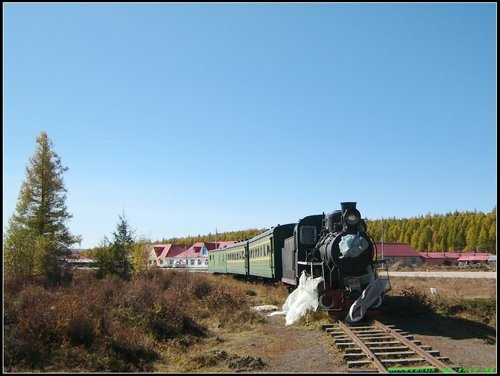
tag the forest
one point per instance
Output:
(464, 231)
(458, 231)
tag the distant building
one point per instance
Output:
(183, 256)
(79, 261)
(492, 260)
(398, 253)
(196, 256)
(472, 258)
(164, 255)
(440, 258)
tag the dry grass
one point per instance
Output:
(170, 321)
(473, 299)
(113, 325)
(447, 287)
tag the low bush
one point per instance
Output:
(112, 325)
(81, 331)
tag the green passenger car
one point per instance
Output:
(217, 261)
(264, 251)
(237, 258)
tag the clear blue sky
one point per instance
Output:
(191, 117)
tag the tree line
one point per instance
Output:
(458, 231)
(217, 237)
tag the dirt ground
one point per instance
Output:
(469, 345)
(277, 348)
(273, 347)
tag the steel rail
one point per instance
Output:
(429, 358)
(376, 347)
(369, 354)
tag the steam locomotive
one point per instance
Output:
(335, 247)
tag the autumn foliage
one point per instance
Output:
(111, 324)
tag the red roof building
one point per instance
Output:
(162, 255)
(175, 255)
(440, 258)
(196, 256)
(453, 258)
(474, 258)
(398, 253)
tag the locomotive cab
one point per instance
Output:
(298, 247)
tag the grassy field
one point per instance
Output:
(168, 320)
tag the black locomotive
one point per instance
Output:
(338, 248)
(335, 247)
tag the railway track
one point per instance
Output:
(385, 349)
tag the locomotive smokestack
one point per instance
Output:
(347, 205)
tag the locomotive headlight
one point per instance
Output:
(352, 217)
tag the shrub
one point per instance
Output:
(484, 309)
(81, 331)
(201, 288)
(226, 299)
(130, 355)
(13, 284)
(411, 302)
(166, 318)
(140, 295)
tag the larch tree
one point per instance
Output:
(37, 236)
(139, 257)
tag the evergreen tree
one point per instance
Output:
(116, 257)
(37, 236)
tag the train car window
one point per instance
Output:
(308, 235)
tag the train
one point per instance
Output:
(335, 247)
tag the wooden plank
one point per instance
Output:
(356, 363)
(433, 352)
(389, 348)
(403, 360)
